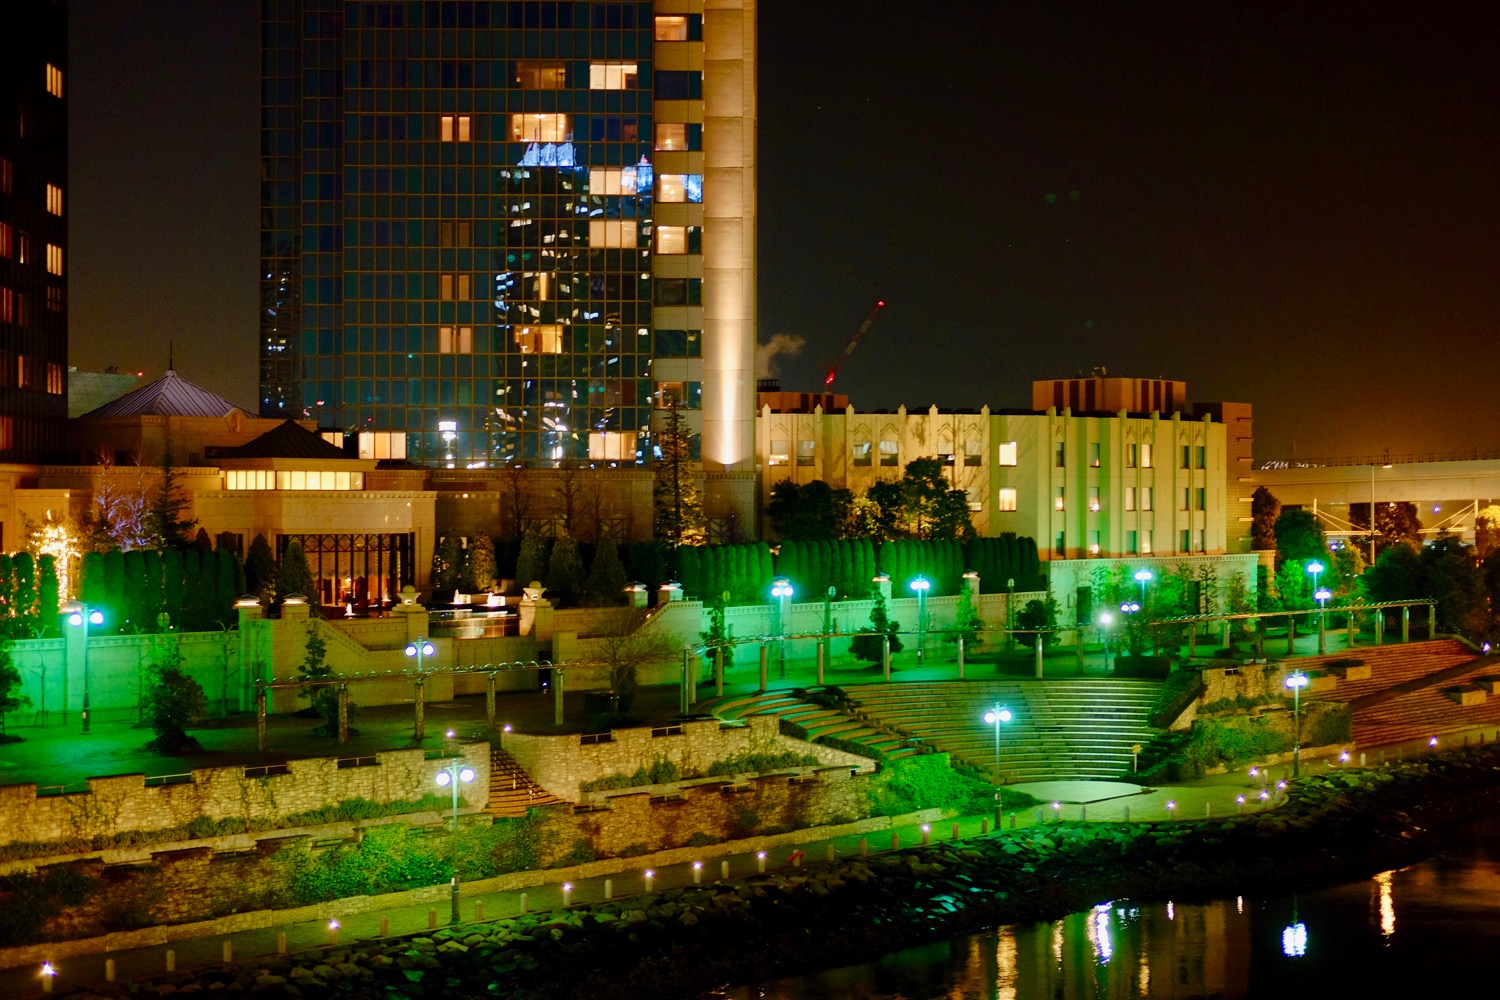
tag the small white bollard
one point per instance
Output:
(171, 959)
(1208, 810)
(1127, 814)
(926, 834)
(1083, 814)
(864, 847)
(984, 826)
(1361, 758)
(333, 932)
(1057, 812)
(648, 875)
(228, 951)
(1171, 809)
(432, 919)
(385, 929)
(724, 869)
(567, 891)
(609, 888)
(895, 840)
(524, 898)
(697, 873)
(1239, 804)
(109, 970)
(1039, 820)
(831, 852)
(49, 973)
(760, 861)
(955, 831)
(478, 909)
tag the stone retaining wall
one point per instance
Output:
(119, 803)
(560, 764)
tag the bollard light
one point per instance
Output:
(697, 873)
(567, 891)
(1239, 802)
(1171, 809)
(648, 875)
(926, 832)
(760, 860)
(921, 585)
(1432, 742)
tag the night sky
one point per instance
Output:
(1288, 204)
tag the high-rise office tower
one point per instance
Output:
(33, 233)
(499, 233)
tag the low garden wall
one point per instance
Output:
(110, 806)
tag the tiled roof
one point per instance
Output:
(288, 439)
(169, 396)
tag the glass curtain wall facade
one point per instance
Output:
(459, 226)
(33, 230)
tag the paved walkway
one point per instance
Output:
(1108, 803)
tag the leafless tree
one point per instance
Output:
(568, 487)
(625, 650)
(516, 494)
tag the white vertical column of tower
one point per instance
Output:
(729, 215)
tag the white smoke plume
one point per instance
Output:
(766, 363)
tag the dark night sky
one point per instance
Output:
(1288, 204)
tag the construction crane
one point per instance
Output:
(859, 335)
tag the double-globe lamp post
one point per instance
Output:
(781, 589)
(451, 775)
(1296, 680)
(921, 585)
(83, 617)
(1143, 577)
(421, 648)
(994, 717)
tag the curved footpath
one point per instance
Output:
(1334, 827)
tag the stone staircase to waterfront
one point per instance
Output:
(1063, 729)
(1449, 699)
(1388, 667)
(512, 791)
(814, 719)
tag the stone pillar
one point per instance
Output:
(1431, 621)
(1323, 632)
(1040, 642)
(412, 614)
(822, 660)
(1291, 634)
(765, 655)
(718, 671)
(636, 594)
(536, 614)
(883, 584)
(249, 612)
(260, 715)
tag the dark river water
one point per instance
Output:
(1428, 931)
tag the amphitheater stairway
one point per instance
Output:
(815, 719)
(512, 791)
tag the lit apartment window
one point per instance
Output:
(1058, 496)
(455, 287)
(612, 180)
(1130, 498)
(7, 305)
(1198, 545)
(537, 127)
(54, 80)
(1007, 499)
(1061, 455)
(1094, 454)
(542, 339)
(1094, 499)
(1145, 456)
(455, 340)
(7, 176)
(671, 188)
(380, 444)
(889, 450)
(1145, 498)
(455, 128)
(55, 379)
(862, 454)
(684, 396)
(1146, 542)
(612, 232)
(7, 240)
(806, 450)
(671, 136)
(1093, 543)
(612, 76)
(23, 372)
(542, 74)
(612, 446)
(1008, 452)
(973, 454)
(671, 28)
(671, 239)
(780, 451)
(54, 259)
(54, 199)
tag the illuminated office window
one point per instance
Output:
(671, 188)
(542, 74)
(54, 259)
(1145, 456)
(455, 234)
(671, 28)
(612, 180)
(612, 232)
(455, 287)
(539, 339)
(973, 454)
(54, 80)
(781, 450)
(806, 451)
(7, 240)
(889, 452)
(538, 127)
(862, 454)
(54, 199)
(54, 379)
(1059, 496)
(455, 128)
(671, 136)
(612, 76)
(455, 340)
(1146, 498)
(1007, 499)
(1008, 452)
(1130, 498)
(671, 239)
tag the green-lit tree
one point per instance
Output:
(565, 570)
(166, 523)
(295, 577)
(11, 697)
(1299, 536)
(717, 635)
(606, 583)
(174, 701)
(1042, 614)
(322, 698)
(967, 624)
(868, 645)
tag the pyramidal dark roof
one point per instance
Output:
(169, 396)
(288, 439)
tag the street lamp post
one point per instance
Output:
(1105, 620)
(921, 585)
(994, 717)
(420, 647)
(781, 589)
(84, 617)
(1143, 577)
(451, 775)
(1296, 680)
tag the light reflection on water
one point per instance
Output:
(1426, 930)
